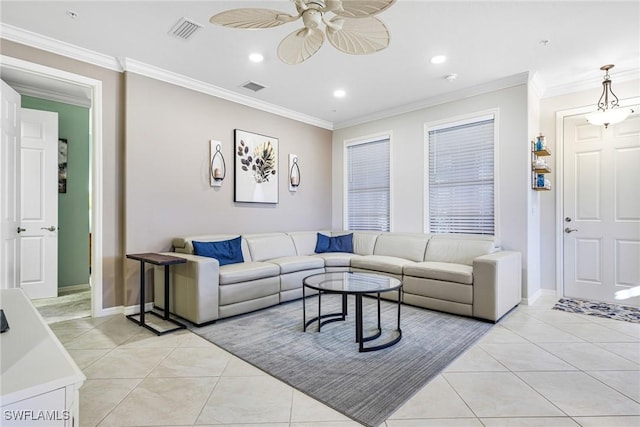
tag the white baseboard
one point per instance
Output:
(74, 288)
(135, 309)
(540, 292)
(131, 309)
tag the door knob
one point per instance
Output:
(570, 230)
(567, 219)
(51, 228)
(20, 229)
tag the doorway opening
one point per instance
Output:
(14, 71)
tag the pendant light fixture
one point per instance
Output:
(609, 112)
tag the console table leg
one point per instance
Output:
(166, 292)
(359, 320)
(142, 283)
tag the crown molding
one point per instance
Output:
(51, 95)
(137, 67)
(592, 83)
(28, 38)
(503, 83)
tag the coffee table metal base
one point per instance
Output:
(323, 319)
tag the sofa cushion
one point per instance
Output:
(445, 271)
(243, 272)
(363, 241)
(336, 259)
(225, 251)
(292, 264)
(272, 245)
(386, 264)
(407, 246)
(343, 243)
(305, 241)
(184, 245)
(458, 249)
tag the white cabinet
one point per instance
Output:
(39, 382)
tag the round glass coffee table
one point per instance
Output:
(357, 284)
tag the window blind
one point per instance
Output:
(368, 189)
(460, 181)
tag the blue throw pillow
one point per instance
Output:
(334, 244)
(322, 244)
(225, 251)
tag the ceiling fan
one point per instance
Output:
(352, 30)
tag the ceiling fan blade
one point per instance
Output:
(358, 8)
(358, 36)
(252, 18)
(300, 45)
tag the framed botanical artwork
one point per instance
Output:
(256, 168)
(62, 165)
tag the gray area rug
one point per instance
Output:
(367, 387)
(599, 309)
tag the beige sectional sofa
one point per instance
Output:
(461, 274)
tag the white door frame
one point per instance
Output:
(95, 87)
(559, 173)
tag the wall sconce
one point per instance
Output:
(294, 173)
(609, 112)
(217, 165)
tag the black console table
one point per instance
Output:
(156, 259)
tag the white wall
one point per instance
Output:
(549, 108)
(407, 162)
(533, 212)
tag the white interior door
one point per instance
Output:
(39, 204)
(601, 209)
(10, 185)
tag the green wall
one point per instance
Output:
(73, 206)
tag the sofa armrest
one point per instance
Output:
(497, 284)
(193, 288)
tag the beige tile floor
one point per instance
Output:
(537, 367)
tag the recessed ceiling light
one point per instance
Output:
(256, 57)
(438, 59)
(451, 77)
(71, 14)
(339, 93)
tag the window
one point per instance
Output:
(367, 191)
(460, 178)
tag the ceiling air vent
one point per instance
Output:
(253, 86)
(184, 29)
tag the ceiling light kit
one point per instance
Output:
(339, 93)
(353, 29)
(438, 59)
(609, 111)
(256, 57)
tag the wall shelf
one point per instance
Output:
(539, 166)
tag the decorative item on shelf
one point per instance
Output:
(294, 172)
(609, 111)
(217, 166)
(539, 166)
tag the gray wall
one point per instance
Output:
(407, 162)
(168, 129)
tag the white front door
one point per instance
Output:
(39, 206)
(601, 209)
(9, 185)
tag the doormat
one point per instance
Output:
(599, 309)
